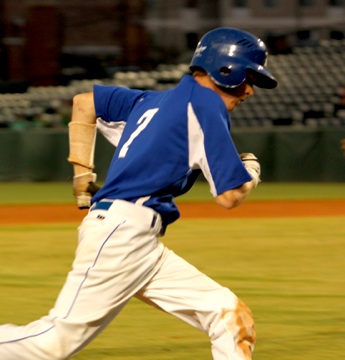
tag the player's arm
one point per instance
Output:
(234, 197)
(82, 140)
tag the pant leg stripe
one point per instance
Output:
(76, 296)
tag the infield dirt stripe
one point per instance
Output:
(31, 214)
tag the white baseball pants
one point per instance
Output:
(119, 256)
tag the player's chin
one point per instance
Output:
(232, 107)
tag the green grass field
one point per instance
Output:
(290, 271)
(33, 193)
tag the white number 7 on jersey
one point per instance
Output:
(142, 122)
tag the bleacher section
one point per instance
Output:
(310, 93)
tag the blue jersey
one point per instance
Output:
(163, 141)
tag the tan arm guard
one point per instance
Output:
(82, 141)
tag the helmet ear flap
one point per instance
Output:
(223, 75)
(230, 75)
(225, 70)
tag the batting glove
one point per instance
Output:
(252, 165)
(84, 188)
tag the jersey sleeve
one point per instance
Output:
(211, 147)
(113, 105)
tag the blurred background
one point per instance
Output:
(52, 50)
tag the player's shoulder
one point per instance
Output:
(206, 101)
(115, 90)
(106, 94)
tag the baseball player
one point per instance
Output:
(163, 141)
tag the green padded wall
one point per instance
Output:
(286, 154)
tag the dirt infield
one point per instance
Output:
(35, 214)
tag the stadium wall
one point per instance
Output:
(286, 154)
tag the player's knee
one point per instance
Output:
(240, 323)
(234, 325)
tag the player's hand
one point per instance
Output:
(84, 188)
(342, 145)
(252, 165)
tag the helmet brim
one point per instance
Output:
(263, 78)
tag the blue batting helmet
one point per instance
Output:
(228, 55)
